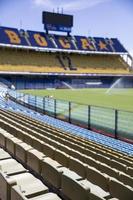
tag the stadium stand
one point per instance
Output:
(16, 182)
(65, 161)
(45, 158)
(29, 51)
(12, 36)
(100, 139)
(31, 61)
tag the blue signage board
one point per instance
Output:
(52, 27)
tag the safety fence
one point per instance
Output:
(111, 122)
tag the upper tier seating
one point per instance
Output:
(32, 61)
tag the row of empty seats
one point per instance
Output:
(17, 183)
(50, 128)
(66, 161)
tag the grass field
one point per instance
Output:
(121, 99)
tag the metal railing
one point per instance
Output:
(111, 122)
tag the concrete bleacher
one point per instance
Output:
(66, 161)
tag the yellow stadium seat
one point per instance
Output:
(41, 62)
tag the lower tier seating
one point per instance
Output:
(73, 166)
(17, 183)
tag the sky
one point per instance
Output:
(102, 18)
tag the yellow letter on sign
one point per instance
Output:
(14, 38)
(86, 44)
(41, 41)
(65, 44)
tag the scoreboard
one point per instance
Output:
(57, 22)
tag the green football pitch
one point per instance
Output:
(121, 99)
